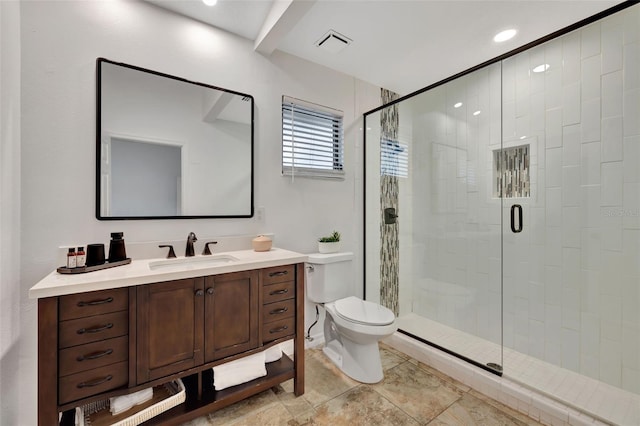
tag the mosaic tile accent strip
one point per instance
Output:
(389, 247)
(511, 172)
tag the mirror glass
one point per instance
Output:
(170, 148)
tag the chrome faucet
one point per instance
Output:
(191, 238)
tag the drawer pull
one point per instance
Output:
(95, 355)
(283, 291)
(95, 329)
(278, 311)
(278, 330)
(95, 382)
(278, 274)
(96, 302)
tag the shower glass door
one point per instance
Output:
(433, 215)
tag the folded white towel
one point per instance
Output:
(122, 403)
(274, 353)
(239, 371)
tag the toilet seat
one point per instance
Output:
(363, 312)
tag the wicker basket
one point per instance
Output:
(164, 398)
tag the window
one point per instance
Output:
(312, 140)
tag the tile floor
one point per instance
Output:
(411, 393)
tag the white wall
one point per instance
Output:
(60, 42)
(10, 242)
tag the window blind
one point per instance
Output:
(312, 140)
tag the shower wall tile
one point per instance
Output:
(553, 252)
(631, 109)
(571, 58)
(631, 160)
(631, 66)
(612, 40)
(571, 104)
(590, 163)
(571, 272)
(553, 167)
(612, 139)
(590, 124)
(590, 82)
(537, 117)
(570, 349)
(612, 94)
(591, 252)
(571, 145)
(553, 128)
(632, 26)
(612, 178)
(570, 227)
(554, 207)
(590, 206)
(611, 362)
(590, 334)
(612, 230)
(590, 40)
(553, 86)
(571, 187)
(571, 311)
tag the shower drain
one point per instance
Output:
(494, 366)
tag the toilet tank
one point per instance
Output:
(328, 277)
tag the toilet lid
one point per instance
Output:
(363, 312)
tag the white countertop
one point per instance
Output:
(138, 272)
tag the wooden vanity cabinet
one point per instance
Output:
(100, 344)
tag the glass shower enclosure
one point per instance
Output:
(502, 215)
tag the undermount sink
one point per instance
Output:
(196, 261)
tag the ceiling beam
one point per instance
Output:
(282, 18)
(215, 106)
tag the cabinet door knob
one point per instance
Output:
(210, 290)
(200, 293)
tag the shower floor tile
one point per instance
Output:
(600, 400)
(411, 393)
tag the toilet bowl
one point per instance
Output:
(352, 326)
(352, 343)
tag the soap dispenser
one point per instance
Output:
(117, 251)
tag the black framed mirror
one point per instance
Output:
(170, 148)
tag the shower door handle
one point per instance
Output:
(515, 207)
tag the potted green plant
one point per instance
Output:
(330, 244)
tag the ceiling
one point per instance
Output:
(397, 44)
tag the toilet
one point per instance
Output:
(352, 326)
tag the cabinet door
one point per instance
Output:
(169, 327)
(231, 314)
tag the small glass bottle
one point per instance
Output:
(81, 258)
(71, 258)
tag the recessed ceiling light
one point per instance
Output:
(458, 105)
(504, 35)
(477, 112)
(210, 2)
(541, 68)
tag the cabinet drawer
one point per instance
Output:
(93, 355)
(91, 329)
(278, 274)
(277, 292)
(92, 382)
(278, 329)
(278, 310)
(93, 303)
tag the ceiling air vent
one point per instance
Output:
(333, 42)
